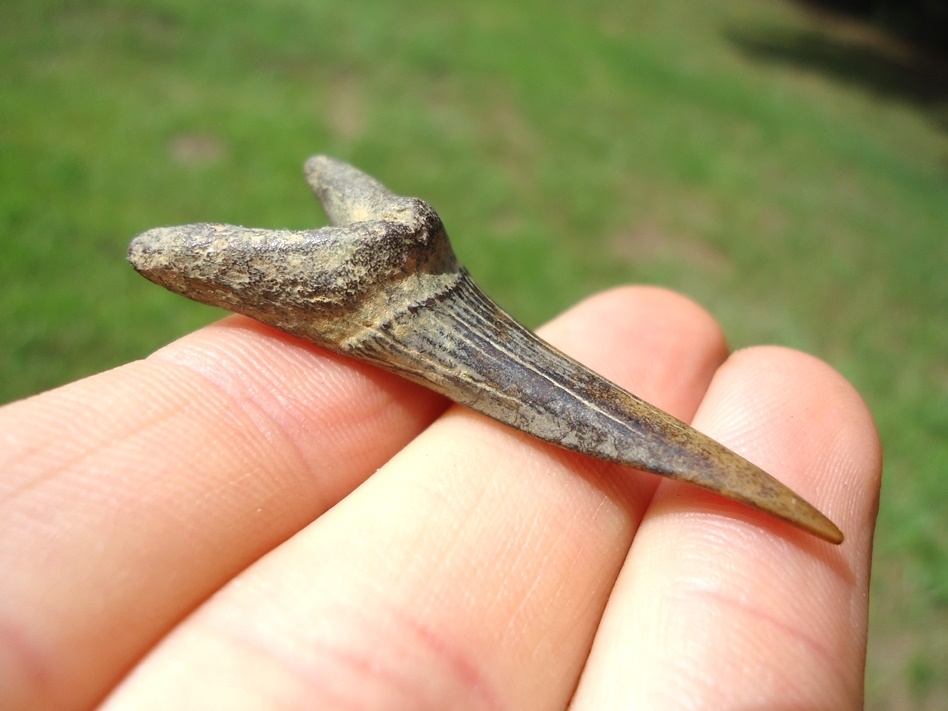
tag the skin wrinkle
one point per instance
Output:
(19, 655)
(314, 667)
(606, 578)
(685, 660)
(29, 653)
(264, 438)
(710, 516)
(496, 493)
(69, 407)
(279, 422)
(83, 454)
(267, 409)
(513, 535)
(87, 489)
(265, 432)
(476, 566)
(545, 645)
(528, 594)
(686, 596)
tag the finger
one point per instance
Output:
(129, 497)
(720, 607)
(469, 572)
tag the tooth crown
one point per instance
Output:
(383, 285)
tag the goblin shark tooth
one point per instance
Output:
(383, 285)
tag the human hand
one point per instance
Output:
(207, 529)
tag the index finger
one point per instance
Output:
(129, 497)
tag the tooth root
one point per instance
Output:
(384, 286)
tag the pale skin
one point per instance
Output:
(243, 520)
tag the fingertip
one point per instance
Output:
(805, 402)
(635, 307)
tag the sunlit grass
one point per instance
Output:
(567, 149)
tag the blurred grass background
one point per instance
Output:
(787, 169)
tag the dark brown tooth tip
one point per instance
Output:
(383, 285)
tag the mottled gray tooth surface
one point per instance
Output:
(383, 285)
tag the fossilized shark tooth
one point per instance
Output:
(383, 285)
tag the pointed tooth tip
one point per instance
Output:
(820, 526)
(799, 512)
(803, 515)
(734, 477)
(775, 498)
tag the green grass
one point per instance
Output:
(710, 147)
